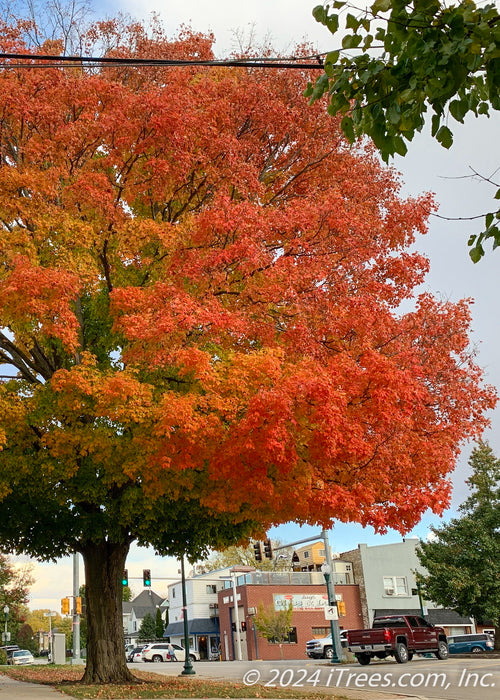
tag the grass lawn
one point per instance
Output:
(152, 685)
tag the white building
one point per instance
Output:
(387, 585)
(202, 613)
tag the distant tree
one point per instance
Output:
(126, 594)
(411, 57)
(61, 21)
(463, 561)
(25, 638)
(14, 592)
(160, 625)
(244, 555)
(273, 625)
(148, 629)
(39, 621)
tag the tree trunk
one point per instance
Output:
(104, 563)
(497, 636)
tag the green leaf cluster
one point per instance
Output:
(463, 561)
(273, 625)
(411, 58)
(147, 630)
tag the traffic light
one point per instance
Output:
(78, 605)
(268, 549)
(341, 607)
(257, 551)
(146, 577)
(125, 577)
(64, 606)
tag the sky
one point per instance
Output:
(427, 167)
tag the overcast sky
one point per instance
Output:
(428, 167)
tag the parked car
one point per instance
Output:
(20, 657)
(9, 649)
(400, 636)
(322, 648)
(159, 651)
(135, 654)
(466, 643)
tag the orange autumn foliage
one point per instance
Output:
(211, 303)
(248, 268)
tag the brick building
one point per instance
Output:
(307, 593)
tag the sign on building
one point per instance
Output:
(300, 601)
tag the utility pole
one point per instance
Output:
(236, 619)
(336, 643)
(76, 617)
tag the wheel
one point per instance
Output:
(157, 659)
(442, 652)
(401, 653)
(193, 658)
(328, 653)
(364, 659)
(476, 650)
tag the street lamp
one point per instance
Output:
(6, 610)
(50, 615)
(326, 570)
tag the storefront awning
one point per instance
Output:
(199, 625)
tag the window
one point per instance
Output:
(423, 623)
(306, 555)
(395, 585)
(211, 588)
(291, 638)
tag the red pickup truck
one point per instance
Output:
(400, 636)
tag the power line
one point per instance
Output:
(312, 62)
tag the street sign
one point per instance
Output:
(331, 612)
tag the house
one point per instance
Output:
(387, 585)
(135, 611)
(311, 557)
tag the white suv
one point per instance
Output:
(159, 651)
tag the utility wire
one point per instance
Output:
(93, 61)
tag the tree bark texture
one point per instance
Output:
(104, 563)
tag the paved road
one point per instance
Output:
(454, 679)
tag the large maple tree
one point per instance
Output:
(202, 289)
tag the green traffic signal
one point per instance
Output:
(125, 578)
(146, 577)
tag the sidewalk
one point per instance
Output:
(18, 690)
